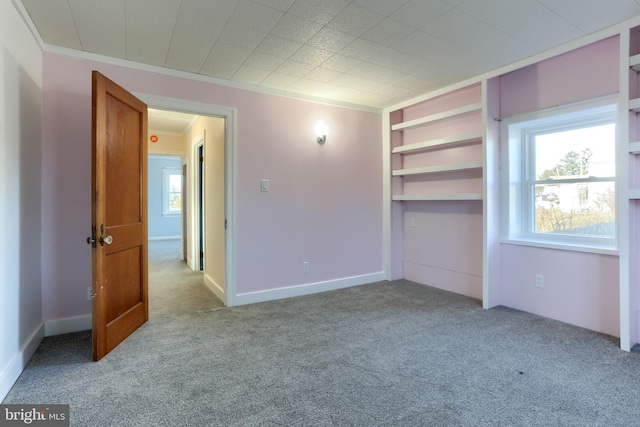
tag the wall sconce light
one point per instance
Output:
(322, 130)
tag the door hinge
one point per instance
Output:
(201, 255)
(201, 159)
(91, 240)
(225, 224)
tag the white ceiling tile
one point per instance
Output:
(263, 60)
(488, 8)
(319, 11)
(311, 55)
(278, 80)
(341, 63)
(251, 75)
(196, 30)
(241, 37)
(535, 25)
(256, 16)
(54, 22)
(490, 42)
(400, 61)
(593, 15)
(277, 46)
(410, 82)
(360, 83)
(282, 5)
(295, 28)
(363, 49)
(330, 39)
(383, 7)
(450, 24)
(422, 45)
(305, 86)
(227, 54)
(387, 32)
(373, 72)
(355, 20)
(383, 46)
(149, 26)
(100, 25)
(322, 74)
(219, 68)
(294, 68)
(418, 13)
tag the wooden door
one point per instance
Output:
(119, 214)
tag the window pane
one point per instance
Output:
(175, 202)
(581, 152)
(175, 183)
(584, 209)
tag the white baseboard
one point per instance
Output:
(165, 238)
(311, 288)
(67, 325)
(12, 371)
(214, 287)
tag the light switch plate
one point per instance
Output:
(265, 185)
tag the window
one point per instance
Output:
(171, 191)
(561, 176)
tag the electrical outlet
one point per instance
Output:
(89, 293)
(539, 281)
(305, 267)
(413, 222)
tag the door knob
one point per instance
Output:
(108, 239)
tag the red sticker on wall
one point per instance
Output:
(153, 138)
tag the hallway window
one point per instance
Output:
(171, 191)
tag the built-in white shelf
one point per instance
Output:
(436, 197)
(634, 105)
(634, 194)
(438, 143)
(438, 116)
(634, 63)
(634, 147)
(437, 169)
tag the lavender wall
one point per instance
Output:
(20, 143)
(580, 288)
(325, 203)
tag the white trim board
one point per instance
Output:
(165, 238)
(308, 289)
(214, 287)
(230, 115)
(67, 325)
(14, 368)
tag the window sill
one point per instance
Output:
(170, 215)
(602, 250)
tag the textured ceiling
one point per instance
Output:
(368, 52)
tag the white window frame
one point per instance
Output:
(518, 174)
(167, 172)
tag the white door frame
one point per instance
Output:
(230, 116)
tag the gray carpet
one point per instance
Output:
(384, 354)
